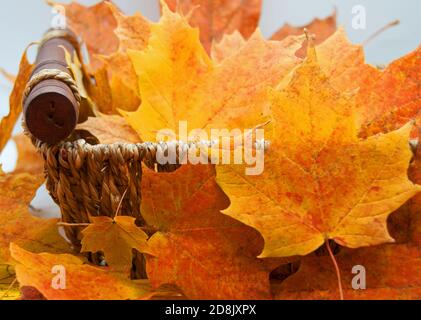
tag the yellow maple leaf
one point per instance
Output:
(116, 238)
(320, 180)
(79, 280)
(179, 82)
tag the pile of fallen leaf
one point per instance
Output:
(340, 180)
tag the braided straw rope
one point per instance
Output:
(52, 74)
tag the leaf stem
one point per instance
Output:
(120, 204)
(8, 289)
(8, 76)
(380, 31)
(338, 272)
(64, 224)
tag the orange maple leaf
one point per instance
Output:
(218, 17)
(206, 254)
(100, 128)
(8, 123)
(117, 77)
(320, 180)
(322, 29)
(95, 25)
(29, 159)
(392, 271)
(387, 99)
(18, 225)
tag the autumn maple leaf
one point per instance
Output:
(216, 18)
(320, 181)
(107, 33)
(203, 252)
(386, 99)
(116, 84)
(29, 159)
(116, 238)
(322, 29)
(95, 25)
(81, 280)
(179, 82)
(100, 128)
(227, 47)
(18, 225)
(391, 271)
(8, 123)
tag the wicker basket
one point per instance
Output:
(90, 180)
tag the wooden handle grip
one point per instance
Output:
(51, 110)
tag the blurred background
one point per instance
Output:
(24, 21)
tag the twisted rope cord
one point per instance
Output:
(53, 74)
(119, 153)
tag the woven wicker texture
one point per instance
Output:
(90, 180)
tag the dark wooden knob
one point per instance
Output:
(51, 110)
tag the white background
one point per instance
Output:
(24, 21)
